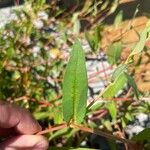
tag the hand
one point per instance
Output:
(18, 126)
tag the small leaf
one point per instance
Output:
(142, 136)
(75, 86)
(97, 36)
(76, 23)
(41, 115)
(118, 19)
(10, 52)
(133, 85)
(128, 116)
(58, 119)
(113, 88)
(114, 52)
(124, 121)
(59, 133)
(90, 40)
(96, 105)
(94, 38)
(112, 107)
(141, 43)
(107, 124)
(119, 70)
(16, 75)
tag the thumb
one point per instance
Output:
(25, 142)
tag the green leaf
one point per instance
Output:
(75, 86)
(132, 83)
(118, 19)
(97, 36)
(128, 116)
(10, 52)
(107, 124)
(124, 121)
(142, 136)
(114, 52)
(59, 133)
(141, 43)
(96, 105)
(16, 75)
(119, 70)
(94, 38)
(90, 40)
(41, 115)
(113, 88)
(58, 119)
(112, 107)
(76, 23)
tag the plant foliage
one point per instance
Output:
(75, 86)
(35, 72)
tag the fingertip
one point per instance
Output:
(12, 116)
(27, 123)
(43, 143)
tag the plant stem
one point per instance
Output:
(52, 129)
(102, 133)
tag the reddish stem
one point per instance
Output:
(102, 133)
(51, 129)
(100, 72)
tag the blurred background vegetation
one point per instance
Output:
(34, 50)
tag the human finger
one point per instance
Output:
(12, 116)
(25, 142)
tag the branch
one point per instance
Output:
(102, 133)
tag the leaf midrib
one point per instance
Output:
(74, 88)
